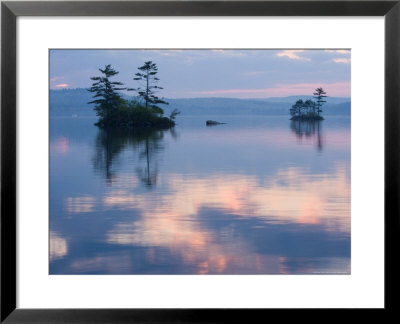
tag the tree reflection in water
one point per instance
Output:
(309, 130)
(145, 143)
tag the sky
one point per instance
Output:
(212, 73)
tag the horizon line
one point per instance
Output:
(250, 98)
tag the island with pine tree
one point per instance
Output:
(116, 112)
(309, 110)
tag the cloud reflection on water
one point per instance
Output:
(76, 205)
(175, 220)
(58, 246)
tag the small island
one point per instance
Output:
(309, 110)
(116, 112)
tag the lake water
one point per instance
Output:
(258, 195)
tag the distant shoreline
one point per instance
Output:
(69, 102)
(272, 99)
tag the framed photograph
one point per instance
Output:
(188, 161)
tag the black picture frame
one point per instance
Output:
(10, 10)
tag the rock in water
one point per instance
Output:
(213, 122)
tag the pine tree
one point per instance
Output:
(296, 109)
(148, 81)
(319, 94)
(108, 99)
(310, 106)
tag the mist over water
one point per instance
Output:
(257, 195)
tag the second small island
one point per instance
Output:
(309, 110)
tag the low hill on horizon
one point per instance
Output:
(68, 102)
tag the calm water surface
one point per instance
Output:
(259, 195)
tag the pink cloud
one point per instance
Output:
(292, 54)
(337, 89)
(342, 60)
(339, 51)
(61, 85)
(56, 78)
